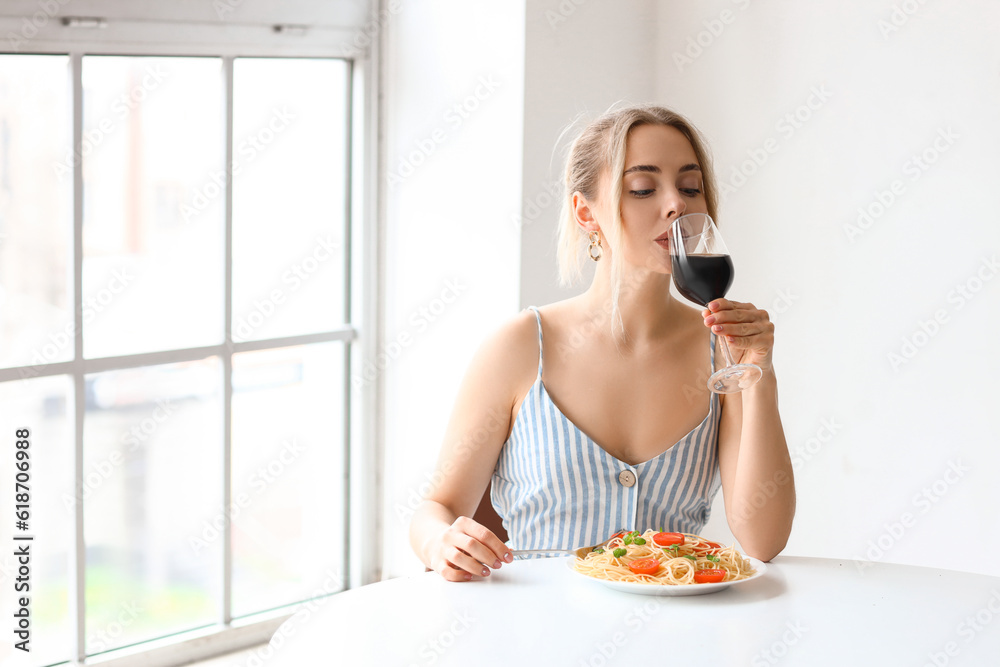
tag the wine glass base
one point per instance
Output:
(733, 379)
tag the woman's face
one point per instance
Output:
(662, 181)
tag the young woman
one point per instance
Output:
(592, 415)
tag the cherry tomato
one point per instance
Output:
(709, 576)
(706, 547)
(666, 539)
(644, 566)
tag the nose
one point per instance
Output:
(673, 204)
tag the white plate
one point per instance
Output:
(660, 589)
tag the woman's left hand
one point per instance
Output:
(747, 329)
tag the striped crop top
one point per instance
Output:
(554, 487)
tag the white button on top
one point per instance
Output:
(626, 477)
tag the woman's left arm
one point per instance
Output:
(757, 482)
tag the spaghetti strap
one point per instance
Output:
(712, 343)
(538, 318)
(555, 487)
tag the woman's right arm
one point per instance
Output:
(442, 532)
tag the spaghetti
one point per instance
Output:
(667, 559)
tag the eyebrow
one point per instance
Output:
(656, 170)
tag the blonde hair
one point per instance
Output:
(600, 148)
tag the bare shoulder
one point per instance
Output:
(508, 358)
(692, 314)
(483, 414)
(515, 341)
(568, 314)
(692, 329)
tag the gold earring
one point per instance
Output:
(595, 244)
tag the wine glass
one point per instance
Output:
(703, 271)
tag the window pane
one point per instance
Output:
(42, 405)
(289, 118)
(152, 475)
(36, 217)
(288, 425)
(153, 150)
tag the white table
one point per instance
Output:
(803, 611)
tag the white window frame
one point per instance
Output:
(363, 406)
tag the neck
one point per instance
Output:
(648, 310)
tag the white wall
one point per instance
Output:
(462, 213)
(844, 297)
(580, 58)
(451, 250)
(867, 437)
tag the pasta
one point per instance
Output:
(669, 559)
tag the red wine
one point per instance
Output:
(702, 278)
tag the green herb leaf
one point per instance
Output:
(628, 539)
(714, 559)
(598, 550)
(619, 552)
(689, 556)
(639, 541)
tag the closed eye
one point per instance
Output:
(641, 193)
(691, 192)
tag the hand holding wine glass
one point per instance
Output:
(703, 272)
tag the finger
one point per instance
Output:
(740, 312)
(728, 316)
(728, 304)
(718, 304)
(463, 561)
(743, 329)
(499, 551)
(763, 341)
(477, 550)
(738, 315)
(451, 573)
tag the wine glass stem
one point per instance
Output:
(726, 353)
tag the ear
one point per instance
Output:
(584, 213)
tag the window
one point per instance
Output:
(177, 267)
